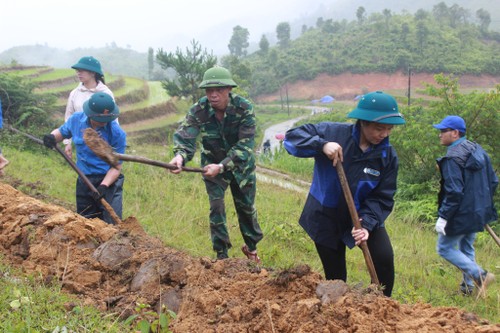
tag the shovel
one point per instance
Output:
(102, 149)
(87, 182)
(355, 221)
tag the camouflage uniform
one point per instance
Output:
(231, 143)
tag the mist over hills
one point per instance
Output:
(127, 61)
(115, 60)
(346, 9)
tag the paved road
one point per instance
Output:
(271, 132)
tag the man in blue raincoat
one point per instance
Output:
(468, 184)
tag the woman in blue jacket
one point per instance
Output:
(99, 113)
(371, 167)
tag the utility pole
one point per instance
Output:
(409, 84)
(281, 98)
(287, 101)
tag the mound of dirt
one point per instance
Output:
(113, 267)
(346, 86)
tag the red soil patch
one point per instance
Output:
(113, 267)
(347, 85)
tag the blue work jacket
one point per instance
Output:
(86, 160)
(371, 176)
(468, 184)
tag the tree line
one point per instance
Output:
(442, 40)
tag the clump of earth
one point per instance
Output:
(115, 267)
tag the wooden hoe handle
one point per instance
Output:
(493, 234)
(144, 160)
(105, 204)
(355, 221)
(87, 182)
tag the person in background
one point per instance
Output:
(3, 160)
(267, 146)
(226, 123)
(371, 167)
(465, 202)
(91, 76)
(98, 113)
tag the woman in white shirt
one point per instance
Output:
(89, 72)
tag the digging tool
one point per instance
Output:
(355, 221)
(493, 234)
(102, 149)
(87, 182)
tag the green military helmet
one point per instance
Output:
(378, 107)
(88, 64)
(101, 108)
(217, 77)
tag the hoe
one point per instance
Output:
(102, 149)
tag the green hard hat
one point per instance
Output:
(378, 107)
(101, 107)
(217, 77)
(88, 64)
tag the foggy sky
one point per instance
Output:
(142, 24)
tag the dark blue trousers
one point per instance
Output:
(89, 208)
(334, 261)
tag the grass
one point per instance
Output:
(30, 305)
(422, 276)
(55, 74)
(175, 209)
(64, 73)
(153, 123)
(67, 87)
(28, 71)
(300, 167)
(157, 95)
(131, 84)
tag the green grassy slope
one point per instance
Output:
(175, 209)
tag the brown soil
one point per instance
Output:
(113, 267)
(347, 85)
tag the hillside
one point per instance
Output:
(346, 86)
(142, 103)
(233, 296)
(430, 36)
(346, 9)
(382, 42)
(113, 267)
(116, 61)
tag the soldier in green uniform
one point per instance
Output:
(226, 123)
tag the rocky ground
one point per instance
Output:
(113, 267)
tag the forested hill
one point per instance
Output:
(443, 39)
(429, 41)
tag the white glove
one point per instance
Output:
(440, 225)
